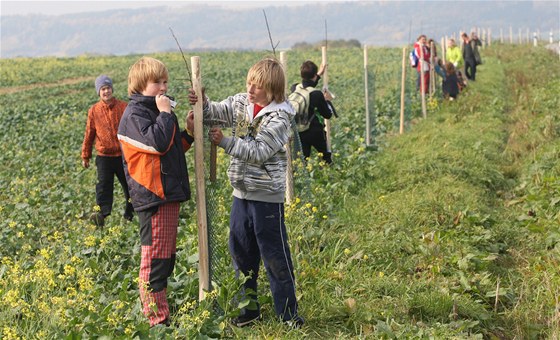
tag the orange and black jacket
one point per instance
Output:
(102, 124)
(153, 150)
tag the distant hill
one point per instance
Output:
(208, 27)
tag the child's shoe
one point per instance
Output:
(247, 318)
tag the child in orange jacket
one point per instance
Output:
(102, 124)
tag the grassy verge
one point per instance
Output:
(457, 232)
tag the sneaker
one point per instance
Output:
(98, 219)
(246, 319)
(164, 323)
(296, 322)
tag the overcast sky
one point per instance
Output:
(23, 7)
(77, 6)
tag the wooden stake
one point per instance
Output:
(443, 48)
(203, 253)
(510, 35)
(422, 85)
(501, 35)
(326, 87)
(403, 83)
(432, 79)
(368, 130)
(288, 146)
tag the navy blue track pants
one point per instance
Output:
(257, 231)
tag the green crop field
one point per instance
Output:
(450, 230)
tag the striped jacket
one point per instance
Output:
(153, 150)
(257, 169)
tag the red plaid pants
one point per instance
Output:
(158, 232)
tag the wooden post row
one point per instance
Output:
(203, 260)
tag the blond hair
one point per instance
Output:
(143, 71)
(268, 74)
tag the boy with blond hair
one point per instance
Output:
(260, 121)
(156, 171)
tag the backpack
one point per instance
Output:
(413, 58)
(299, 99)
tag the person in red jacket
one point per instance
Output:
(156, 171)
(102, 124)
(422, 51)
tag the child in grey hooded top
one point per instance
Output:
(260, 121)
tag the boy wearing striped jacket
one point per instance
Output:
(260, 121)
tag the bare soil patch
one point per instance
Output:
(69, 81)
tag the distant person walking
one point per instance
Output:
(320, 108)
(101, 127)
(475, 43)
(469, 58)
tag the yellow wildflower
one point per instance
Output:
(69, 270)
(90, 241)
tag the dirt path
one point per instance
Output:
(70, 81)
